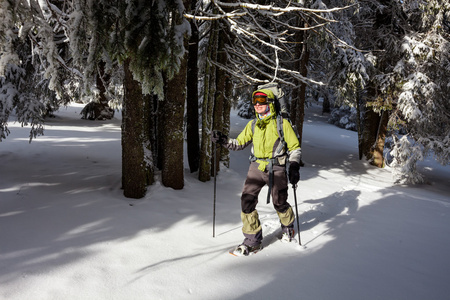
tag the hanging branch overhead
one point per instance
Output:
(263, 37)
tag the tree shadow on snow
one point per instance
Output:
(385, 244)
(343, 204)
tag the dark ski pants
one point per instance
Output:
(255, 181)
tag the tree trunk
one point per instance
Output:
(134, 180)
(299, 94)
(326, 105)
(225, 153)
(374, 134)
(192, 117)
(208, 106)
(152, 121)
(172, 120)
(359, 125)
(99, 108)
(378, 157)
(172, 112)
(102, 81)
(302, 95)
(149, 131)
(371, 121)
(219, 96)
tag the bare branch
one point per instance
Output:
(280, 9)
(215, 17)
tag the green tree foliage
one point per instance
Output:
(399, 64)
(149, 35)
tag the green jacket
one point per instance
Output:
(266, 140)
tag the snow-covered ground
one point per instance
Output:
(67, 232)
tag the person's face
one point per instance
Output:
(260, 108)
(260, 103)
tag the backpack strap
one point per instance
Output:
(282, 146)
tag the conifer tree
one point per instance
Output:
(148, 35)
(33, 64)
(400, 73)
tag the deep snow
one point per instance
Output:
(67, 232)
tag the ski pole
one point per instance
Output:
(215, 180)
(294, 187)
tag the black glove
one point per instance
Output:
(294, 172)
(218, 137)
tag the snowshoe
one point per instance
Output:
(245, 250)
(288, 235)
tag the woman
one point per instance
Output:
(272, 151)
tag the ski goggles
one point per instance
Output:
(260, 99)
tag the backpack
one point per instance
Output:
(281, 106)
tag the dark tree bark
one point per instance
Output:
(299, 94)
(378, 157)
(150, 137)
(219, 96)
(208, 106)
(171, 113)
(374, 134)
(171, 134)
(326, 105)
(359, 125)
(134, 180)
(192, 116)
(225, 153)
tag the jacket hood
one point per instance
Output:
(268, 92)
(271, 97)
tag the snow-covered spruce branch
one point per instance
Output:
(277, 63)
(263, 31)
(238, 67)
(298, 76)
(295, 28)
(59, 59)
(268, 34)
(277, 38)
(255, 54)
(280, 9)
(57, 14)
(240, 30)
(313, 15)
(239, 73)
(105, 84)
(215, 17)
(344, 44)
(314, 12)
(294, 74)
(74, 71)
(244, 58)
(251, 52)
